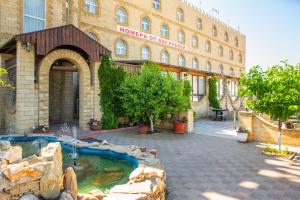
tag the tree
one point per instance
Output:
(275, 92)
(110, 79)
(212, 94)
(3, 83)
(149, 95)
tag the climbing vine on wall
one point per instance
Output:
(110, 80)
(213, 95)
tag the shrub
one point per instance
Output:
(213, 95)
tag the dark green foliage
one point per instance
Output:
(110, 80)
(213, 95)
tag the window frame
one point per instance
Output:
(148, 24)
(214, 31)
(183, 36)
(181, 60)
(125, 14)
(92, 36)
(155, 3)
(199, 21)
(91, 5)
(208, 66)
(180, 14)
(34, 17)
(198, 94)
(208, 46)
(193, 62)
(117, 48)
(167, 31)
(236, 42)
(149, 52)
(195, 38)
(226, 37)
(221, 51)
(167, 55)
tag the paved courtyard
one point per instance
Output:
(206, 167)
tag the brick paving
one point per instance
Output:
(200, 166)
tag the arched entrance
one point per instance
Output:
(69, 58)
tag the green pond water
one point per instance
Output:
(94, 171)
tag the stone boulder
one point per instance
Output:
(15, 172)
(98, 194)
(66, 196)
(51, 181)
(135, 188)
(70, 182)
(4, 196)
(126, 197)
(10, 153)
(87, 197)
(29, 197)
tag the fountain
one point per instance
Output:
(39, 144)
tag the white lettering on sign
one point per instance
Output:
(153, 38)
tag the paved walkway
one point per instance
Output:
(205, 167)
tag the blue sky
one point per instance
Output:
(272, 27)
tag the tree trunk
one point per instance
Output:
(151, 124)
(279, 134)
(234, 119)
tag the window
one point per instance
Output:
(208, 66)
(180, 15)
(231, 54)
(221, 52)
(121, 48)
(181, 36)
(236, 42)
(220, 87)
(198, 87)
(165, 57)
(240, 58)
(156, 4)
(221, 69)
(91, 6)
(214, 31)
(34, 15)
(93, 36)
(121, 16)
(195, 41)
(207, 46)
(199, 24)
(195, 63)
(232, 73)
(232, 88)
(181, 60)
(226, 37)
(165, 31)
(146, 53)
(145, 24)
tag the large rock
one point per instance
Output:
(87, 197)
(126, 197)
(51, 181)
(15, 172)
(29, 197)
(4, 196)
(10, 153)
(135, 188)
(70, 182)
(66, 196)
(98, 194)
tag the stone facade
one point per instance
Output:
(33, 109)
(263, 131)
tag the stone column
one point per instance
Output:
(25, 89)
(96, 90)
(189, 114)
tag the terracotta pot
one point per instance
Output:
(143, 129)
(179, 127)
(96, 127)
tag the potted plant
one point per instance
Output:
(95, 125)
(242, 135)
(180, 125)
(40, 129)
(143, 129)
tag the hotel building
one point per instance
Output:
(52, 50)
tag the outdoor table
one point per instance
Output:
(220, 112)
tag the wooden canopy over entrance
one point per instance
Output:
(67, 36)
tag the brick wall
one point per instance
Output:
(263, 131)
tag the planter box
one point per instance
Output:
(242, 137)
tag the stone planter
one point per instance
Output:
(242, 137)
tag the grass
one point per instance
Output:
(276, 152)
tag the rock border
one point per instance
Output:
(146, 181)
